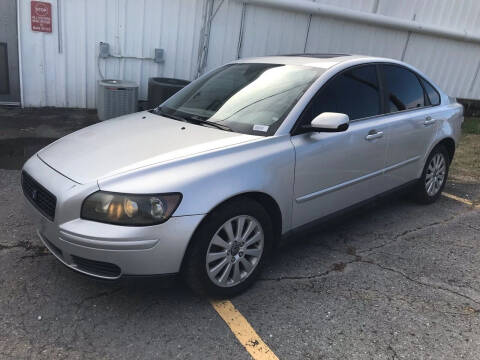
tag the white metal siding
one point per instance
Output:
(273, 32)
(453, 65)
(136, 27)
(131, 27)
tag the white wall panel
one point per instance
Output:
(273, 32)
(451, 64)
(335, 36)
(459, 15)
(438, 57)
(131, 27)
(224, 33)
(137, 27)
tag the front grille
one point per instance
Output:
(96, 267)
(40, 197)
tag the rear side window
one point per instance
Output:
(432, 94)
(403, 90)
(354, 92)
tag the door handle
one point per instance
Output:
(374, 134)
(429, 121)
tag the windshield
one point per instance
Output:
(249, 98)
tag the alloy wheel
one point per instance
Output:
(435, 175)
(235, 251)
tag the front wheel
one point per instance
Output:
(229, 249)
(434, 176)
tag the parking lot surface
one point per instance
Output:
(393, 280)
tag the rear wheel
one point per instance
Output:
(229, 249)
(434, 176)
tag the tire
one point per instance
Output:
(231, 279)
(435, 173)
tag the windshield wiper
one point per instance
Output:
(198, 120)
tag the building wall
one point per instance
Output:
(67, 76)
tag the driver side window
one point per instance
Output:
(354, 92)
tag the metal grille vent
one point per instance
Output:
(40, 197)
(97, 267)
(116, 98)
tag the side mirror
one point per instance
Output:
(328, 122)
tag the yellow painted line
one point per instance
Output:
(457, 198)
(244, 332)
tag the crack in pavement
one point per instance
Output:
(468, 310)
(470, 226)
(411, 231)
(8, 247)
(38, 250)
(35, 255)
(22, 244)
(444, 287)
(97, 296)
(339, 267)
(280, 278)
(394, 353)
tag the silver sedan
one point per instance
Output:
(252, 152)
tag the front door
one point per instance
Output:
(336, 170)
(9, 75)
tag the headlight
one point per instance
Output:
(133, 210)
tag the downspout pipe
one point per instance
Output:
(311, 7)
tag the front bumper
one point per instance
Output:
(104, 250)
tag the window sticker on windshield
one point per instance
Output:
(262, 128)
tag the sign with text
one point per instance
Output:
(41, 16)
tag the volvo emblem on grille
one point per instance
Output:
(34, 194)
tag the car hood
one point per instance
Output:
(129, 142)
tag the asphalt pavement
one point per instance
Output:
(392, 280)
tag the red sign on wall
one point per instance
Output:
(41, 16)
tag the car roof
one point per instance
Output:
(331, 62)
(323, 61)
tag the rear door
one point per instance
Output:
(9, 75)
(335, 170)
(412, 125)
